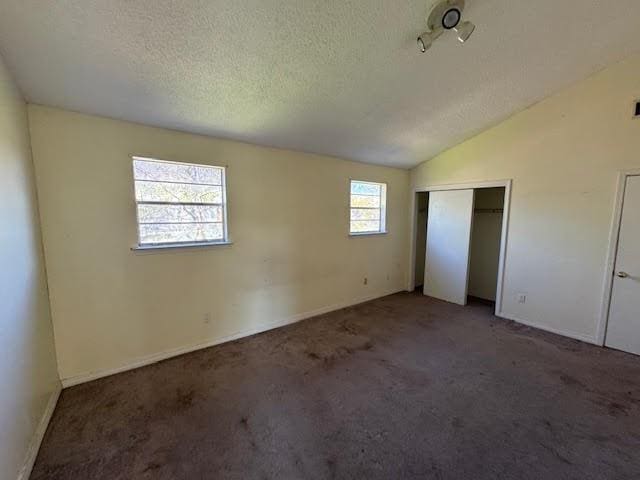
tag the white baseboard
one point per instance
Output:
(36, 440)
(564, 333)
(157, 357)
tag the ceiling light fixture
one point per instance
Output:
(445, 15)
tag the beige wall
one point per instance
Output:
(563, 155)
(28, 374)
(288, 221)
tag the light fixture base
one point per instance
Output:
(445, 15)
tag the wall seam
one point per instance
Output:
(41, 235)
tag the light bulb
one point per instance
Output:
(425, 41)
(464, 31)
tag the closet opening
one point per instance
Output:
(486, 238)
(422, 205)
(459, 242)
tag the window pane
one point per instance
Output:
(158, 233)
(359, 226)
(365, 214)
(177, 193)
(176, 172)
(365, 188)
(359, 201)
(179, 213)
(179, 202)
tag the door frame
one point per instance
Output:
(612, 253)
(411, 284)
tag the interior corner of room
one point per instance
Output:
(448, 242)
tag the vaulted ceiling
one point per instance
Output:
(337, 77)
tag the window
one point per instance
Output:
(368, 208)
(179, 203)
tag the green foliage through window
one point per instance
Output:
(179, 203)
(368, 207)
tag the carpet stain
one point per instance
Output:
(348, 328)
(572, 382)
(151, 467)
(183, 400)
(313, 356)
(617, 409)
(457, 423)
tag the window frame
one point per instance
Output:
(383, 208)
(190, 244)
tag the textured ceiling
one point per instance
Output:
(337, 77)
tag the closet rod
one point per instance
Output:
(489, 210)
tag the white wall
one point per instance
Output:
(563, 155)
(485, 243)
(28, 374)
(288, 219)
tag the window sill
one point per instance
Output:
(371, 234)
(179, 246)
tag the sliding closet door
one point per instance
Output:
(448, 242)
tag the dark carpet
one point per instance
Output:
(404, 387)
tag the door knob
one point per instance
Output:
(622, 274)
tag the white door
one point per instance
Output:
(623, 332)
(448, 240)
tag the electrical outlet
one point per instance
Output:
(207, 318)
(522, 298)
(366, 281)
